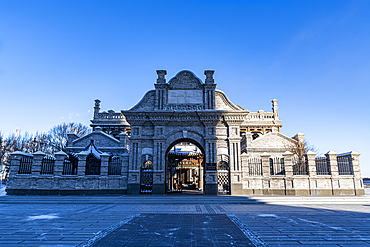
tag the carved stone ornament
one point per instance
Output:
(185, 80)
(188, 107)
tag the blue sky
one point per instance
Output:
(56, 57)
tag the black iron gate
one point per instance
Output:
(146, 177)
(92, 165)
(223, 178)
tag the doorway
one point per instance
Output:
(185, 168)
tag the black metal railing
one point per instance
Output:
(70, 164)
(114, 165)
(322, 166)
(47, 166)
(277, 166)
(25, 166)
(300, 166)
(345, 166)
(255, 167)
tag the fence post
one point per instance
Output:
(310, 157)
(104, 164)
(81, 164)
(265, 173)
(311, 165)
(59, 162)
(332, 158)
(124, 172)
(245, 175)
(359, 187)
(288, 162)
(15, 163)
(37, 163)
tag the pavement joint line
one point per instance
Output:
(101, 234)
(257, 241)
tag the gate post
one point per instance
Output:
(332, 158)
(265, 173)
(289, 183)
(37, 160)
(359, 188)
(59, 160)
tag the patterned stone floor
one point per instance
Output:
(275, 221)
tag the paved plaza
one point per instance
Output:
(184, 221)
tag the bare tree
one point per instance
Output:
(299, 148)
(57, 135)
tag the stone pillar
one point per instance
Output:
(81, 164)
(289, 183)
(103, 179)
(161, 90)
(311, 165)
(359, 187)
(59, 162)
(104, 164)
(332, 158)
(17, 184)
(310, 157)
(211, 187)
(275, 109)
(247, 190)
(133, 186)
(15, 161)
(37, 162)
(265, 173)
(96, 108)
(159, 163)
(125, 162)
(161, 76)
(123, 139)
(209, 90)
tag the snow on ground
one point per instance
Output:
(43, 217)
(2, 189)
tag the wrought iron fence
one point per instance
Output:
(345, 166)
(70, 164)
(322, 166)
(47, 166)
(25, 166)
(223, 178)
(114, 165)
(277, 166)
(255, 166)
(300, 166)
(146, 177)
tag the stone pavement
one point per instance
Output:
(184, 221)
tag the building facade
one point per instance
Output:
(239, 152)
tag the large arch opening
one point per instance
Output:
(185, 173)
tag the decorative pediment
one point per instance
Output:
(147, 103)
(223, 103)
(272, 140)
(185, 80)
(100, 138)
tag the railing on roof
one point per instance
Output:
(107, 115)
(263, 115)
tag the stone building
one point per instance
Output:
(134, 151)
